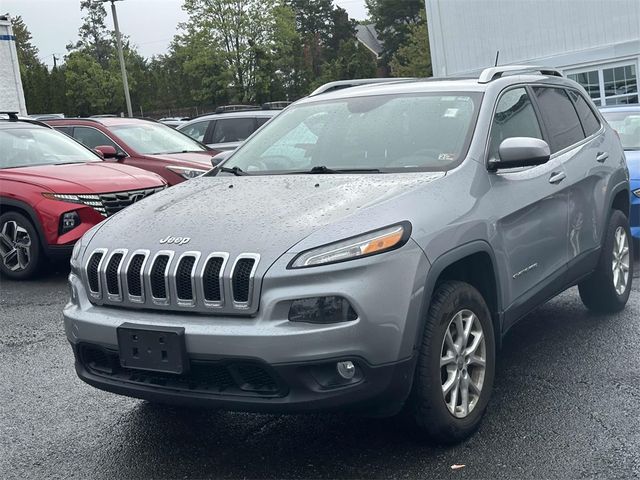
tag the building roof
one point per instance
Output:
(368, 36)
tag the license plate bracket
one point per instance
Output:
(153, 348)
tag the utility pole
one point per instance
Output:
(123, 68)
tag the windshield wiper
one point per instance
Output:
(237, 171)
(322, 169)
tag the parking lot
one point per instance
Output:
(565, 405)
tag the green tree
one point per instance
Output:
(393, 20)
(94, 37)
(88, 89)
(353, 60)
(413, 59)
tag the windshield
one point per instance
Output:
(150, 138)
(24, 147)
(376, 133)
(627, 124)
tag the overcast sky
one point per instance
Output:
(150, 24)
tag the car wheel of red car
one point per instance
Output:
(20, 251)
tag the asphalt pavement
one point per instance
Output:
(566, 404)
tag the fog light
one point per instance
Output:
(68, 222)
(322, 310)
(346, 370)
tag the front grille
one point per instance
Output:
(242, 279)
(230, 377)
(109, 203)
(200, 283)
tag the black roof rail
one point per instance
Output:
(236, 108)
(493, 73)
(278, 105)
(340, 84)
(13, 116)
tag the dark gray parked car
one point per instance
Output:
(368, 249)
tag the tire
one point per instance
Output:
(600, 292)
(427, 407)
(20, 250)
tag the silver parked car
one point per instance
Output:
(226, 131)
(368, 249)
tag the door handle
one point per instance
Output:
(557, 177)
(602, 156)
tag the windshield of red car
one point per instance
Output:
(150, 138)
(26, 147)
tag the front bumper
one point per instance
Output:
(283, 388)
(297, 356)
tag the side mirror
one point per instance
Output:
(107, 151)
(521, 152)
(221, 157)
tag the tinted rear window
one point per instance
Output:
(590, 122)
(559, 116)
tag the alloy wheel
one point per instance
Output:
(463, 363)
(620, 262)
(15, 246)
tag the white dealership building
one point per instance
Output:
(11, 94)
(595, 42)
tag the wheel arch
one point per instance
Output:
(620, 199)
(473, 263)
(18, 206)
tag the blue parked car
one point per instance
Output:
(625, 119)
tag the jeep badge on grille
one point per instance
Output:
(175, 240)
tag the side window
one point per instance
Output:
(590, 122)
(262, 120)
(67, 130)
(515, 117)
(196, 130)
(92, 138)
(233, 130)
(559, 116)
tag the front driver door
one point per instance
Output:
(531, 212)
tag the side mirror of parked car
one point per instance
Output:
(107, 151)
(521, 152)
(221, 157)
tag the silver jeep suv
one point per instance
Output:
(368, 249)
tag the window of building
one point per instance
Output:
(612, 85)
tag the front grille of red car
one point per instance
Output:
(109, 203)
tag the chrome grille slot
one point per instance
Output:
(158, 277)
(111, 273)
(93, 266)
(242, 279)
(134, 275)
(184, 285)
(211, 279)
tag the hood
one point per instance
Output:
(189, 159)
(633, 163)
(93, 177)
(263, 214)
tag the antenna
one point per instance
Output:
(497, 57)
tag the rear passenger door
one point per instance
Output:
(530, 208)
(577, 139)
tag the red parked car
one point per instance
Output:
(52, 190)
(143, 143)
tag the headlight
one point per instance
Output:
(637, 192)
(364, 245)
(90, 200)
(186, 172)
(75, 255)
